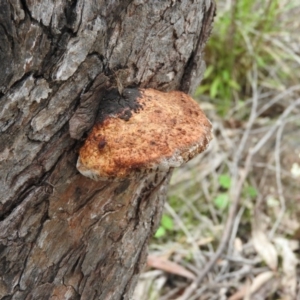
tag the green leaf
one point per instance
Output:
(260, 61)
(234, 85)
(251, 191)
(167, 222)
(201, 90)
(225, 181)
(222, 201)
(160, 232)
(214, 88)
(208, 71)
(225, 75)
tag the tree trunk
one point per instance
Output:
(62, 235)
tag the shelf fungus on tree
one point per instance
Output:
(143, 131)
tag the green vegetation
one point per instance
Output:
(166, 224)
(244, 34)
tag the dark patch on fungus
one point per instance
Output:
(101, 144)
(118, 105)
(125, 115)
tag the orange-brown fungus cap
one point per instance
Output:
(144, 130)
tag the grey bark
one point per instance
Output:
(64, 236)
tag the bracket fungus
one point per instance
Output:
(143, 131)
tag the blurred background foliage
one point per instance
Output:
(250, 174)
(247, 31)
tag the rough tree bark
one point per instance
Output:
(62, 235)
